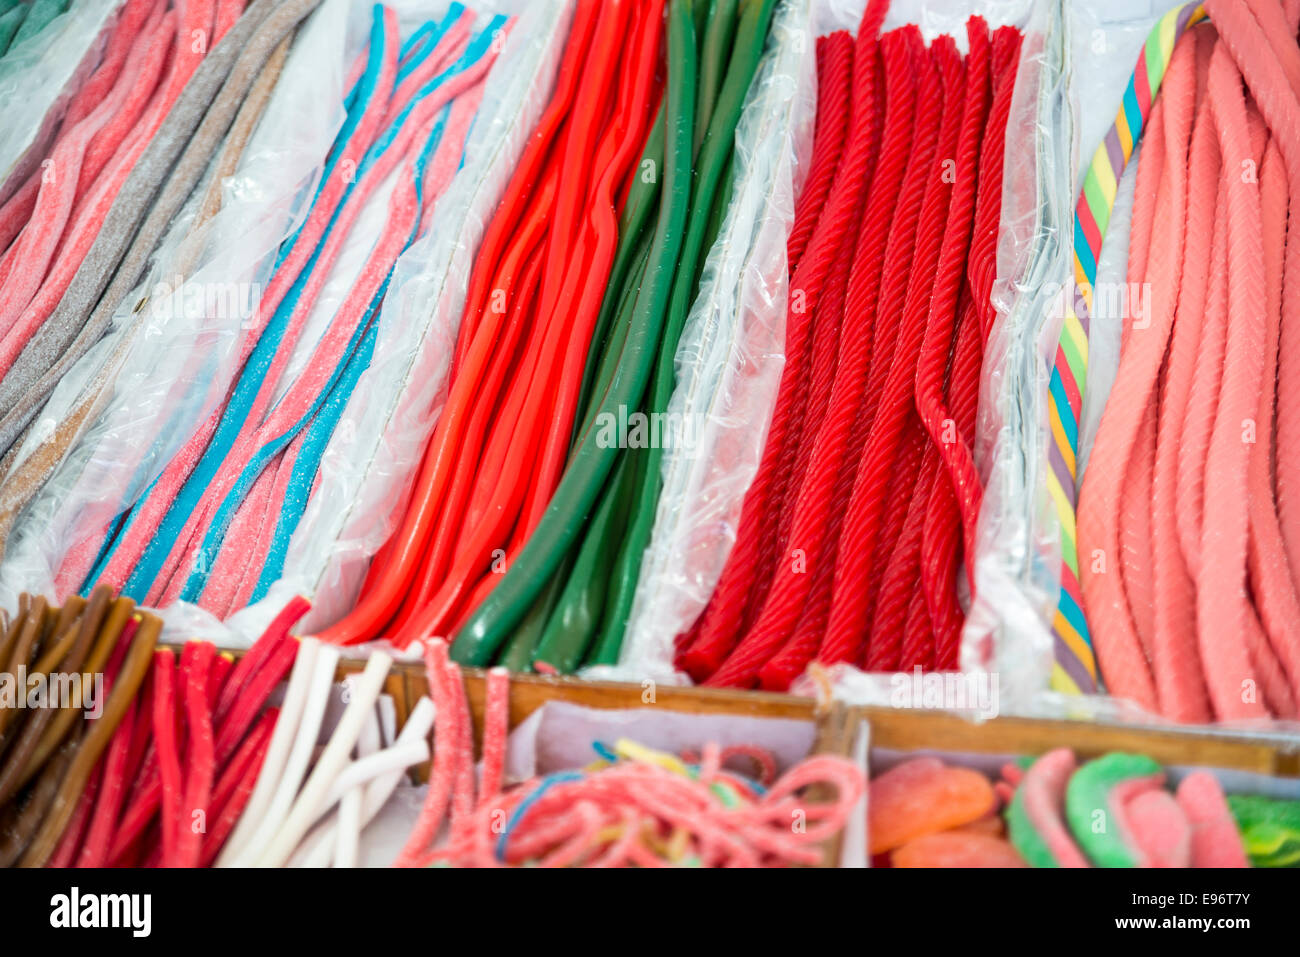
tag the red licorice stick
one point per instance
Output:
(614, 158)
(251, 663)
(109, 799)
(847, 622)
(484, 414)
(251, 694)
(200, 760)
(235, 786)
(517, 200)
(407, 545)
(941, 540)
(936, 347)
(749, 567)
(169, 763)
(834, 87)
(905, 149)
(71, 841)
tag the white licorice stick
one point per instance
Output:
(318, 693)
(318, 849)
(277, 752)
(306, 808)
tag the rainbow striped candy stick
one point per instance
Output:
(1075, 670)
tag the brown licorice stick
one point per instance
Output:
(10, 635)
(17, 490)
(89, 324)
(33, 625)
(18, 834)
(24, 390)
(96, 739)
(69, 612)
(64, 633)
(90, 635)
(65, 718)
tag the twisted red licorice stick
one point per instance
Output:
(942, 538)
(834, 89)
(749, 567)
(932, 366)
(905, 148)
(169, 762)
(849, 605)
(910, 489)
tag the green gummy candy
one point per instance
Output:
(1092, 789)
(1025, 837)
(1270, 829)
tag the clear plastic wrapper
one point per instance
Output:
(38, 77)
(173, 342)
(730, 355)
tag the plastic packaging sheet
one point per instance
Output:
(175, 338)
(371, 459)
(730, 356)
(37, 78)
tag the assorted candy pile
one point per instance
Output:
(1119, 810)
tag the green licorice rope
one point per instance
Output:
(487, 629)
(577, 617)
(39, 16)
(10, 21)
(719, 33)
(715, 157)
(578, 614)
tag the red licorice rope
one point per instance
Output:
(906, 143)
(169, 762)
(834, 92)
(749, 567)
(845, 628)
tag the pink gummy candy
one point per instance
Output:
(922, 796)
(957, 849)
(1216, 842)
(1161, 829)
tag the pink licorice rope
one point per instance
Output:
(564, 824)
(298, 400)
(291, 407)
(238, 569)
